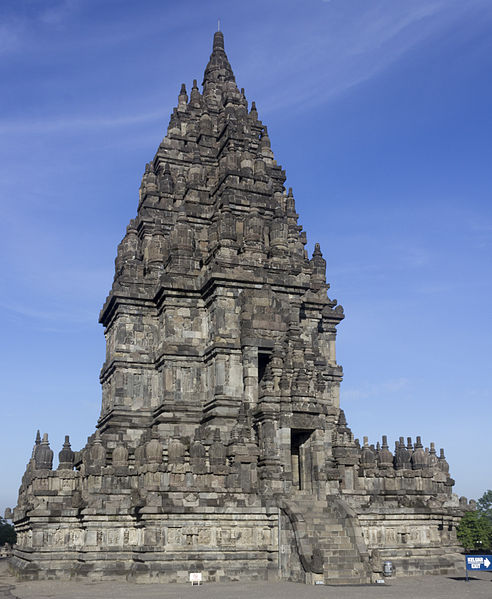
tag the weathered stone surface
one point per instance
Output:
(221, 445)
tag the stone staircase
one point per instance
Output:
(329, 540)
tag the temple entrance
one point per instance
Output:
(264, 358)
(301, 459)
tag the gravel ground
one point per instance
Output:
(421, 587)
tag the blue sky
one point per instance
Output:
(379, 110)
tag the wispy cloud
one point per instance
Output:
(58, 12)
(375, 390)
(52, 314)
(10, 36)
(344, 55)
(77, 123)
(480, 232)
(17, 28)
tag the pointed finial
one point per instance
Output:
(38, 438)
(218, 70)
(66, 456)
(183, 96)
(218, 41)
(218, 24)
(253, 112)
(265, 140)
(43, 456)
(195, 94)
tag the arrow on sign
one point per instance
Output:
(486, 562)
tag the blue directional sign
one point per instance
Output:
(478, 562)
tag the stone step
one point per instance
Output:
(349, 574)
(326, 531)
(335, 545)
(346, 581)
(344, 545)
(342, 554)
(332, 528)
(342, 560)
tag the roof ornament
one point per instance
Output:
(218, 70)
(183, 96)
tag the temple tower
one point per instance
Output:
(221, 446)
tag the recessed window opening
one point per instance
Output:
(264, 358)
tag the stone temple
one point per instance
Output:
(221, 447)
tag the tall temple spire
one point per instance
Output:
(221, 375)
(218, 69)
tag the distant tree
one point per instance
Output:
(485, 505)
(7, 533)
(475, 532)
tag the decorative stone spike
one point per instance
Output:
(97, 452)
(183, 97)
(433, 460)
(443, 464)
(418, 457)
(318, 264)
(253, 113)
(368, 456)
(43, 456)
(120, 457)
(385, 457)
(66, 456)
(218, 72)
(37, 443)
(402, 456)
(153, 452)
(195, 96)
(167, 183)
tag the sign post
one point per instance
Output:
(478, 562)
(195, 578)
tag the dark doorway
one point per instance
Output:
(300, 454)
(263, 360)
